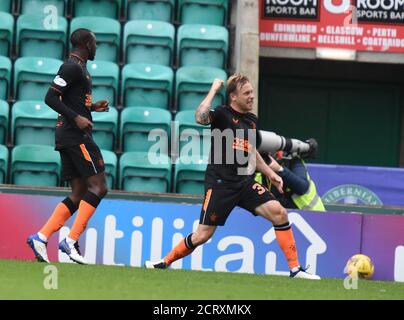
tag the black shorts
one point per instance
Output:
(84, 160)
(221, 198)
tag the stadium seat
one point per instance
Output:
(193, 84)
(5, 75)
(148, 85)
(136, 124)
(147, 41)
(100, 8)
(41, 7)
(34, 39)
(111, 165)
(6, 5)
(33, 122)
(203, 11)
(33, 76)
(105, 128)
(202, 45)
(107, 32)
(3, 163)
(105, 78)
(139, 173)
(194, 139)
(35, 165)
(189, 175)
(161, 10)
(6, 33)
(4, 112)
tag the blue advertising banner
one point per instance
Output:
(358, 185)
(124, 232)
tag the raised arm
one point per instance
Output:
(202, 112)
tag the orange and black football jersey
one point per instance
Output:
(73, 82)
(234, 138)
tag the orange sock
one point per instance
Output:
(86, 210)
(284, 236)
(57, 220)
(180, 251)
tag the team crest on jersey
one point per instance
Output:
(60, 81)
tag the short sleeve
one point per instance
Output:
(67, 75)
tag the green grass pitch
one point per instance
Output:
(25, 280)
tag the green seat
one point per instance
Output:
(105, 128)
(33, 76)
(111, 165)
(3, 163)
(105, 78)
(148, 85)
(6, 33)
(203, 11)
(147, 41)
(189, 175)
(136, 124)
(107, 32)
(194, 139)
(161, 10)
(193, 84)
(97, 8)
(202, 45)
(33, 122)
(6, 5)
(5, 75)
(35, 165)
(4, 112)
(43, 7)
(35, 39)
(140, 173)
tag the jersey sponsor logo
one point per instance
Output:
(351, 193)
(60, 81)
(242, 145)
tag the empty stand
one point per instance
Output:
(35, 165)
(33, 122)
(3, 163)
(203, 11)
(161, 10)
(105, 78)
(33, 76)
(145, 129)
(6, 33)
(147, 41)
(139, 172)
(194, 82)
(147, 85)
(36, 39)
(111, 165)
(105, 128)
(202, 45)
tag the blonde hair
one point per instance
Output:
(235, 82)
